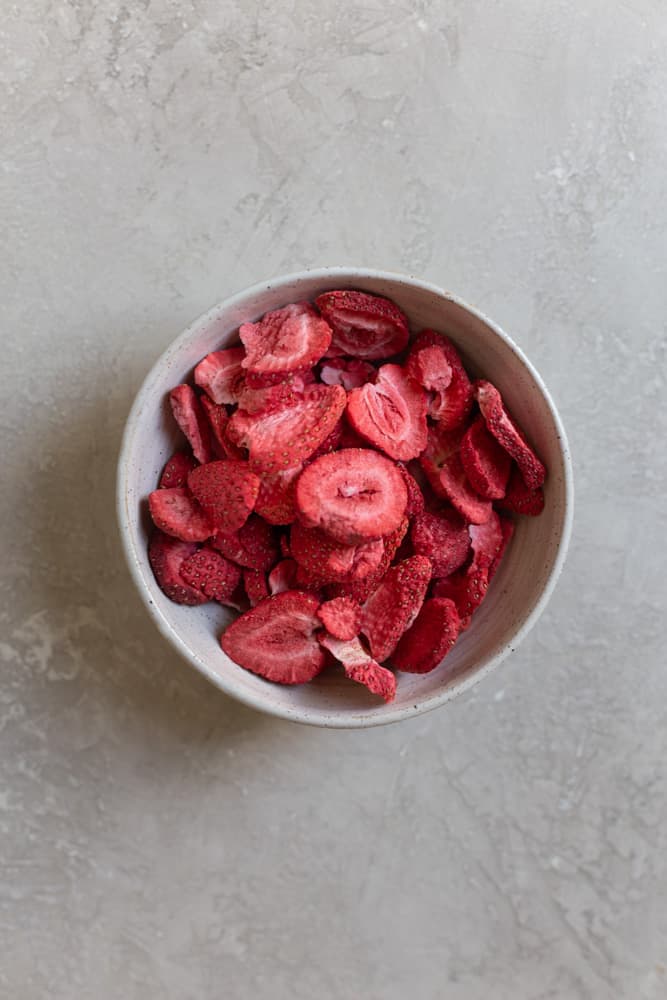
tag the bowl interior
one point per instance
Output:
(515, 597)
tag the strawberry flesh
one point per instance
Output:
(176, 512)
(425, 644)
(364, 326)
(390, 413)
(441, 461)
(508, 435)
(520, 499)
(285, 340)
(351, 373)
(450, 405)
(190, 417)
(220, 375)
(175, 472)
(341, 617)
(361, 667)
(486, 464)
(253, 545)
(442, 537)
(166, 556)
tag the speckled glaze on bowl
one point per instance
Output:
(521, 588)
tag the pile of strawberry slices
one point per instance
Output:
(346, 490)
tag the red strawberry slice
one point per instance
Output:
(190, 417)
(467, 588)
(216, 577)
(218, 419)
(361, 667)
(324, 559)
(277, 639)
(520, 499)
(255, 586)
(283, 576)
(450, 406)
(227, 490)
(271, 398)
(393, 607)
(348, 372)
(175, 472)
(390, 413)
(220, 375)
(486, 540)
(285, 339)
(166, 556)
(264, 380)
(507, 530)
(285, 549)
(415, 495)
(360, 590)
(176, 512)
(431, 369)
(285, 438)
(332, 443)
(486, 464)
(276, 501)
(443, 538)
(341, 617)
(425, 644)
(353, 495)
(508, 434)
(441, 461)
(364, 326)
(253, 545)
(349, 437)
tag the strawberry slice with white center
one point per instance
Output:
(220, 375)
(361, 667)
(364, 326)
(285, 340)
(278, 638)
(390, 413)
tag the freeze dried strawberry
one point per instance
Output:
(486, 464)
(255, 586)
(349, 437)
(390, 413)
(415, 495)
(520, 499)
(220, 375)
(341, 617)
(467, 588)
(208, 571)
(361, 667)
(441, 461)
(486, 540)
(285, 339)
(189, 416)
(360, 590)
(325, 559)
(277, 639)
(506, 530)
(252, 546)
(166, 556)
(425, 644)
(285, 438)
(332, 443)
(285, 549)
(443, 537)
(364, 326)
(430, 368)
(508, 434)
(283, 576)
(284, 390)
(348, 372)
(264, 380)
(227, 490)
(352, 495)
(218, 419)
(450, 406)
(175, 472)
(176, 512)
(393, 607)
(276, 498)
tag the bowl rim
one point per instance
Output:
(327, 718)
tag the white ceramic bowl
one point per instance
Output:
(521, 588)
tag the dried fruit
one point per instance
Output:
(450, 405)
(220, 375)
(190, 417)
(324, 559)
(176, 512)
(175, 472)
(341, 617)
(348, 372)
(393, 607)
(506, 530)
(361, 667)
(218, 420)
(520, 499)
(283, 576)
(390, 413)
(441, 461)
(255, 586)
(208, 571)
(364, 326)
(253, 545)
(166, 556)
(415, 495)
(433, 634)
(508, 434)
(227, 490)
(276, 501)
(285, 340)
(352, 495)
(467, 588)
(278, 638)
(486, 540)
(486, 464)
(442, 537)
(360, 590)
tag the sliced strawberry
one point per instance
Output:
(264, 380)
(364, 326)
(361, 667)
(325, 559)
(450, 406)
(486, 464)
(348, 372)
(166, 556)
(176, 512)
(520, 499)
(360, 590)
(285, 549)
(353, 495)
(285, 339)
(277, 639)
(283, 576)
(507, 530)
(190, 417)
(508, 434)
(486, 540)
(220, 375)
(415, 495)
(341, 617)
(218, 419)
(276, 501)
(252, 546)
(208, 571)
(431, 369)
(255, 586)
(285, 438)
(393, 607)
(467, 588)
(227, 490)
(175, 472)
(349, 437)
(443, 538)
(425, 644)
(441, 461)
(271, 398)
(332, 443)
(390, 413)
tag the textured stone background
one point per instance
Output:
(159, 841)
